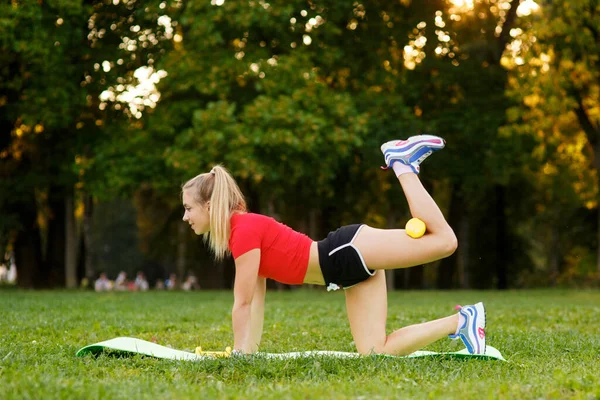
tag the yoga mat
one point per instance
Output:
(138, 346)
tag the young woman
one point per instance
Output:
(351, 258)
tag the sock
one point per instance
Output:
(461, 322)
(400, 168)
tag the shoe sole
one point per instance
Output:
(393, 143)
(480, 308)
(434, 141)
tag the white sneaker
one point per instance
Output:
(412, 151)
(472, 333)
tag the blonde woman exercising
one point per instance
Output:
(350, 258)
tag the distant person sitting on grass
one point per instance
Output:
(350, 257)
(171, 283)
(141, 284)
(121, 283)
(191, 283)
(102, 284)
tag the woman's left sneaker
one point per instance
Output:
(412, 151)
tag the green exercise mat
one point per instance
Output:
(138, 346)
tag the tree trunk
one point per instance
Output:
(405, 278)
(70, 244)
(592, 131)
(313, 224)
(462, 254)
(596, 145)
(447, 266)
(502, 247)
(55, 245)
(181, 251)
(28, 247)
(390, 274)
(81, 259)
(389, 279)
(228, 268)
(416, 275)
(504, 37)
(598, 245)
(28, 258)
(554, 255)
(88, 212)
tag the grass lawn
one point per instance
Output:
(551, 339)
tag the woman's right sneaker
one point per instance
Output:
(472, 332)
(412, 151)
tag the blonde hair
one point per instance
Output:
(225, 196)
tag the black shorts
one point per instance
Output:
(341, 263)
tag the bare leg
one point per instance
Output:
(392, 248)
(414, 337)
(421, 204)
(366, 304)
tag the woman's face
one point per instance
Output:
(196, 215)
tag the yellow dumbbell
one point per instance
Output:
(225, 353)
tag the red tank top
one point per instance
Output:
(284, 253)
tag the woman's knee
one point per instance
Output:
(448, 243)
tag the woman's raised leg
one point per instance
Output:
(393, 248)
(366, 303)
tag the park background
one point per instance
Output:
(108, 107)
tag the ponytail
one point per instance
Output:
(225, 197)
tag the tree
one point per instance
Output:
(554, 79)
(295, 97)
(58, 57)
(272, 89)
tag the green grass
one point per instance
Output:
(551, 339)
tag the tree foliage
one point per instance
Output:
(554, 79)
(57, 58)
(295, 98)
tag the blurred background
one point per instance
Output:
(108, 107)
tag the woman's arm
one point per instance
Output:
(258, 313)
(246, 276)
